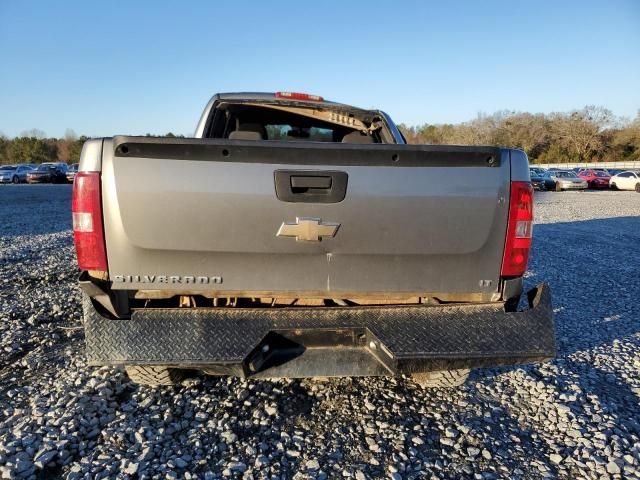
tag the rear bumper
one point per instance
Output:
(301, 342)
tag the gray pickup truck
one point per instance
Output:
(297, 237)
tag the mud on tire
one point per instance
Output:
(144, 375)
(441, 379)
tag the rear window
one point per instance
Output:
(296, 123)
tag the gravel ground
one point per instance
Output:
(575, 417)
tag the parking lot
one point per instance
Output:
(575, 417)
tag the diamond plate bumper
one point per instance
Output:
(325, 341)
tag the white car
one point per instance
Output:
(14, 173)
(629, 180)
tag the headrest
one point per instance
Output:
(357, 137)
(242, 135)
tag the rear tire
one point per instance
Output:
(614, 186)
(441, 379)
(145, 375)
(15, 179)
(638, 187)
(558, 187)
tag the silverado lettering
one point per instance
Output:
(186, 279)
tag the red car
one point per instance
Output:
(595, 178)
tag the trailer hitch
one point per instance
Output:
(298, 352)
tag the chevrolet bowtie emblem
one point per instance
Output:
(308, 229)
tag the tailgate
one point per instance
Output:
(189, 215)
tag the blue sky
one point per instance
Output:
(103, 68)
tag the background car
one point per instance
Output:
(595, 178)
(560, 180)
(7, 173)
(537, 179)
(48, 173)
(629, 180)
(14, 173)
(71, 172)
(537, 170)
(597, 169)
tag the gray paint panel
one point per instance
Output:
(435, 229)
(519, 166)
(91, 156)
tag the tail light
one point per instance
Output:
(299, 96)
(519, 229)
(88, 232)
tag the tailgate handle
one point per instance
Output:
(310, 186)
(303, 183)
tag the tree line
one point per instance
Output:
(34, 146)
(591, 134)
